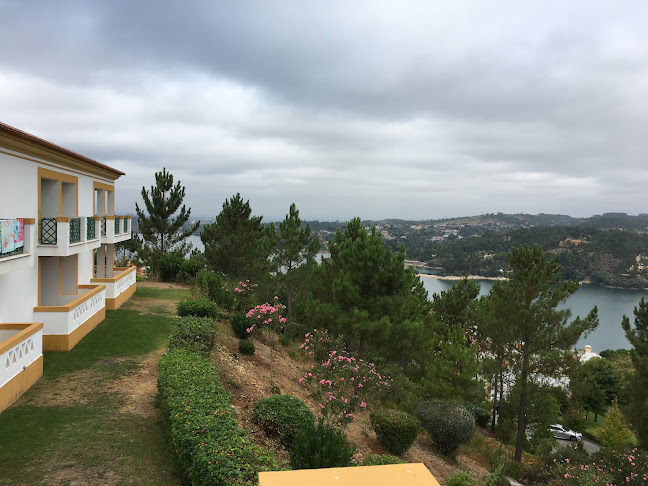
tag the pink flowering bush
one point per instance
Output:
(267, 316)
(343, 386)
(606, 467)
(319, 344)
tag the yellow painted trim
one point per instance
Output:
(414, 474)
(123, 272)
(65, 342)
(19, 384)
(29, 220)
(28, 328)
(75, 303)
(57, 176)
(63, 219)
(109, 217)
(129, 217)
(98, 218)
(101, 185)
(116, 303)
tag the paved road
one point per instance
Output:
(589, 446)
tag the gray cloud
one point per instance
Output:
(372, 108)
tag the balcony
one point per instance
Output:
(64, 236)
(69, 318)
(115, 229)
(21, 359)
(15, 244)
(119, 288)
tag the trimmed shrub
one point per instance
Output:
(460, 479)
(381, 460)
(194, 334)
(448, 423)
(396, 430)
(282, 415)
(240, 325)
(246, 347)
(320, 446)
(169, 266)
(209, 444)
(481, 413)
(198, 307)
(212, 285)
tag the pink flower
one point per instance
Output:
(363, 405)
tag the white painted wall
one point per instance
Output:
(23, 354)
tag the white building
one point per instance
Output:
(58, 229)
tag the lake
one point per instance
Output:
(612, 305)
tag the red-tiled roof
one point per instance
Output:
(44, 143)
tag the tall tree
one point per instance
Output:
(638, 337)
(539, 334)
(379, 307)
(294, 246)
(594, 385)
(161, 232)
(236, 244)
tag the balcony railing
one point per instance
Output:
(75, 230)
(117, 224)
(48, 235)
(11, 237)
(103, 226)
(90, 228)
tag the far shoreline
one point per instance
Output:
(457, 277)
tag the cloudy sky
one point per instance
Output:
(407, 109)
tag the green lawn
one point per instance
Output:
(70, 427)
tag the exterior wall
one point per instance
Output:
(118, 288)
(21, 360)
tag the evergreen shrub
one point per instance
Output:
(214, 287)
(239, 325)
(246, 347)
(460, 479)
(381, 460)
(480, 412)
(320, 446)
(194, 334)
(169, 266)
(395, 430)
(189, 269)
(448, 423)
(282, 415)
(209, 445)
(198, 307)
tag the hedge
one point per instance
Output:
(282, 416)
(193, 334)
(211, 447)
(198, 307)
(395, 430)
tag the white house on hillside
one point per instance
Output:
(58, 231)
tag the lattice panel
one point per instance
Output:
(75, 230)
(117, 221)
(20, 351)
(90, 229)
(48, 231)
(103, 226)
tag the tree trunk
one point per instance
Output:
(289, 292)
(595, 417)
(361, 347)
(519, 441)
(494, 414)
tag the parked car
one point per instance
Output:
(559, 432)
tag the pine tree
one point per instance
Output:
(161, 232)
(614, 433)
(236, 244)
(539, 336)
(638, 337)
(294, 246)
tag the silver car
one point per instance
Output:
(559, 432)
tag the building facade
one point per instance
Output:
(58, 231)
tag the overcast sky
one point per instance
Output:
(378, 109)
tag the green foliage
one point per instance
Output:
(282, 416)
(460, 479)
(542, 442)
(239, 325)
(395, 430)
(198, 307)
(574, 418)
(195, 334)
(381, 460)
(448, 423)
(246, 347)
(161, 232)
(594, 385)
(497, 477)
(209, 444)
(614, 433)
(505, 430)
(168, 266)
(607, 466)
(638, 337)
(214, 287)
(480, 412)
(320, 446)
(236, 244)
(190, 268)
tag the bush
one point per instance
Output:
(240, 325)
(169, 266)
(396, 430)
(320, 446)
(282, 416)
(448, 423)
(212, 285)
(381, 460)
(505, 431)
(194, 334)
(246, 347)
(481, 413)
(460, 479)
(189, 269)
(210, 446)
(198, 307)
(497, 477)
